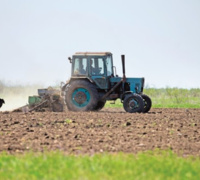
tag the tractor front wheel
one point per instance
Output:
(133, 103)
(147, 103)
(81, 96)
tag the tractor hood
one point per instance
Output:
(136, 84)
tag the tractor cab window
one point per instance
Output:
(79, 67)
(109, 66)
(97, 66)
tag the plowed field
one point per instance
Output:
(109, 130)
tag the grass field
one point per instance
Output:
(54, 165)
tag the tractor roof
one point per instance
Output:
(93, 53)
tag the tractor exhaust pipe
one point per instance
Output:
(123, 67)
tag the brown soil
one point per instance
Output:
(110, 130)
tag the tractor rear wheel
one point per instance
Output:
(133, 103)
(100, 105)
(81, 96)
(147, 103)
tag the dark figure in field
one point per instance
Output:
(1, 102)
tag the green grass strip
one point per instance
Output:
(169, 98)
(54, 165)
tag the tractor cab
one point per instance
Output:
(97, 67)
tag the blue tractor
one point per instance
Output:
(94, 81)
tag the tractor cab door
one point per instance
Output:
(79, 67)
(98, 72)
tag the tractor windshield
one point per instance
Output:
(97, 66)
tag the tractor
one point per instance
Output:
(94, 81)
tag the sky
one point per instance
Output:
(160, 39)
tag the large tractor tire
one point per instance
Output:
(147, 103)
(100, 105)
(81, 96)
(133, 103)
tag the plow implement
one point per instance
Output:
(46, 100)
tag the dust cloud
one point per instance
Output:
(16, 96)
